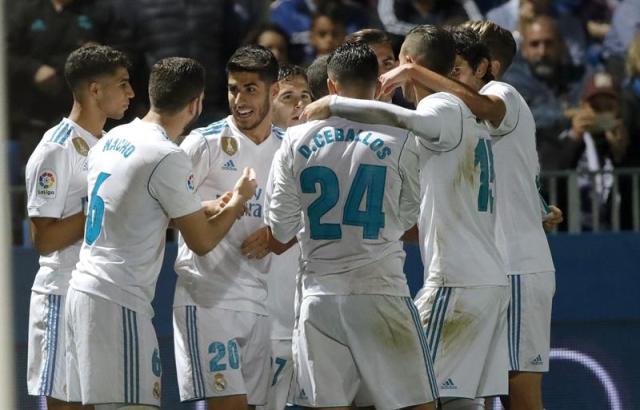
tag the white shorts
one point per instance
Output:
(221, 352)
(529, 321)
(466, 329)
(281, 375)
(112, 352)
(46, 367)
(362, 349)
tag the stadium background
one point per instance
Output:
(596, 316)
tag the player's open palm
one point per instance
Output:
(246, 185)
(256, 246)
(317, 110)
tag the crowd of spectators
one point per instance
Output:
(578, 63)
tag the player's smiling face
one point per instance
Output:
(249, 99)
(113, 93)
(293, 96)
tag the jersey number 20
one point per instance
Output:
(96, 211)
(369, 181)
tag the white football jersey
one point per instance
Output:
(224, 277)
(520, 236)
(138, 180)
(356, 186)
(458, 190)
(56, 180)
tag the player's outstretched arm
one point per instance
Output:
(486, 107)
(52, 234)
(202, 233)
(423, 125)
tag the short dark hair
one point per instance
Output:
(500, 41)
(370, 36)
(353, 63)
(471, 49)
(89, 62)
(287, 71)
(254, 59)
(174, 82)
(432, 47)
(317, 76)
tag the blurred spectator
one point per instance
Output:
(327, 32)
(274, 39)
(317, 77)
(294, 16)
(514, 15)
(596, 141)
(547, 81)
(631, 103)
(625, 23)
(208, 31)
(41, 34)
(400, 16)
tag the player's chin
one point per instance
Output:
(118, 115)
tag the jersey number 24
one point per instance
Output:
(369, 180)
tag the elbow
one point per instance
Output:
(43, 248)
(202, 248)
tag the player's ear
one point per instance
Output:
(275, 89)
(482, 69)
(496, 68)
(93, 87)
(332, 87)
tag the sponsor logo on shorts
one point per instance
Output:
(219, 382)
(229, 145)
(156, 390)
(229, 166)
(537, 361)
(47, 184)
(448, 385)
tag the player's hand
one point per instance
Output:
(256, 246)
(246, 185)
(317, 110)
(552, 219)
(214, 207)
(393, 79)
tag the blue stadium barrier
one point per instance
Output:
(595, 331)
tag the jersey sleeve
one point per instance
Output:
(48, 177)
(283, 210)
(444, 117)
(512, 103)
(172, 184)
(196, 146)
(410, 189)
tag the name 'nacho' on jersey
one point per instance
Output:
(333, 135)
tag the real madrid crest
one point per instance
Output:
(81, 146)
(229, 145)
(219, 382)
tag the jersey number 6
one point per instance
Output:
(96, 211)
